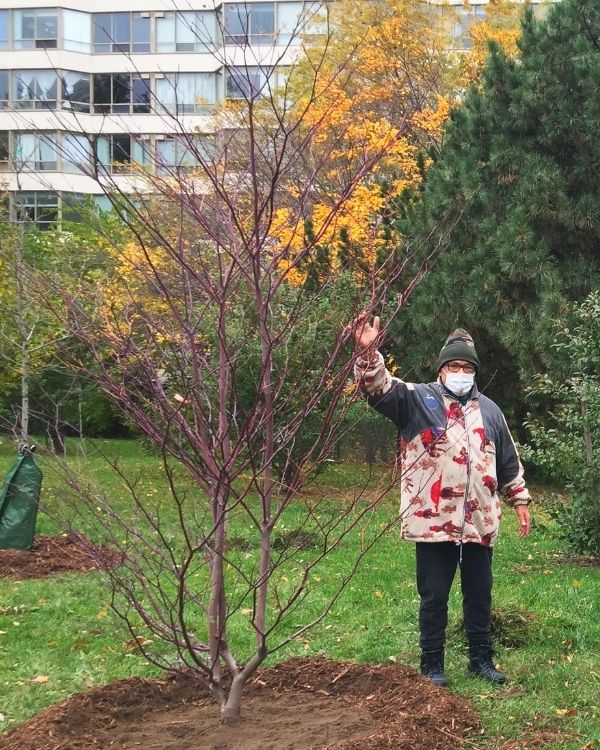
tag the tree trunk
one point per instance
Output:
(382, 442)
(587, 433)
(230, 711)
(368, 443)
(589, 458)
(57, 442)
(24, 336)
(25, 394)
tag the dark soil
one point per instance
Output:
(581, 560)
(304, 704)
(54, 554)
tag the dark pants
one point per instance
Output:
(436, 568)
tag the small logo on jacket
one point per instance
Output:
(431, 401)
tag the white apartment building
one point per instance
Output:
(91, 81)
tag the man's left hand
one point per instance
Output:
(524, 519)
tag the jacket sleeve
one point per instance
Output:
(511, 480)
(386, 394)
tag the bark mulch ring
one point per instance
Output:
(304, 704)
(54, 554)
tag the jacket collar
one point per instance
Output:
(470, 396)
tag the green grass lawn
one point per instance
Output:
(59, 636)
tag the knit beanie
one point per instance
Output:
(458, 345)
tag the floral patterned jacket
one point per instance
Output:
(455, 460)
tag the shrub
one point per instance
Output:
(565, 442)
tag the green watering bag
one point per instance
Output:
(19, 498)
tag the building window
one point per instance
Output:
(102, 202)
(121, 93)
(291, 18)
(3, 29)
(121, 153)
(249, 24)
(35, 89)
(464, 16)
(4, 90)
(35, 152)
(187, 92)
(121, 32)
(140, 94)
(76, 152)
(4, 151)
(186, 32)
(74, 206)
(245, 83)
(175, 155)
(140, 36)
(77, 31)
(75, 91)
(39, 208)
(35, 29)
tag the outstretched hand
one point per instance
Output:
(524, 519)
(365, 334)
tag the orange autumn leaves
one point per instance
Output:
(500, 25)
(386, 82)
(378, 96)
(133, 300)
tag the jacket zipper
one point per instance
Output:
(464, 518)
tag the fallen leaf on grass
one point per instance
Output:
(78, 645)
(40, 679)
(133, 644)
(2, 717)
(566, 712)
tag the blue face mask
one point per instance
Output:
(459, 383)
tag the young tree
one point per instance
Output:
(205, 331)
(38, 394)
(27, 336)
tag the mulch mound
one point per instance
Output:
(55, 554)
(304, 704)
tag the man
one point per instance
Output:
(457, 456)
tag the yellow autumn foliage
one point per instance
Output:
(501, 25)
(132, 298)
(386, 80)
(380, 95)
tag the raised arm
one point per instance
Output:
(370, 371)
(384, 393)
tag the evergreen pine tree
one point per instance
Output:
(521, 157)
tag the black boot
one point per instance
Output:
(432, 666)
(481, 663)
